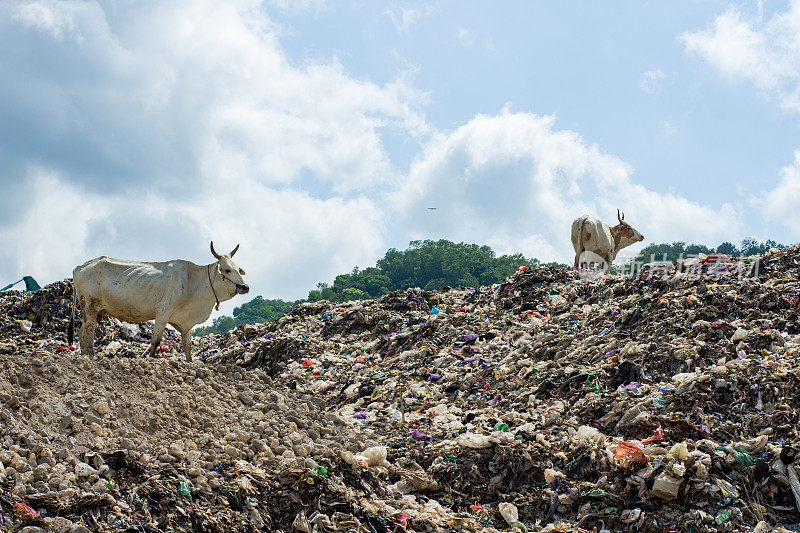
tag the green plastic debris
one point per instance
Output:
(597, 493)
(743, 459)
(589, 381)
(723, 516)
(183, 490)
(321, 470)
(519, 525)
(501, 426)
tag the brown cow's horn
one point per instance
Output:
(234, 251)
(618, 217)
(213, 251)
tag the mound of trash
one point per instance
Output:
(667, 400)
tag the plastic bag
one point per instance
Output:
(629, 455)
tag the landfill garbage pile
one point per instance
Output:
(555, 401)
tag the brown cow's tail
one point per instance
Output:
(71, 328)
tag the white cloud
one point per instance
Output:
(466, 36)
(297, 6)
(763, 52)
(44, 239)
(143, 130)
(779, 205)
(404, 17)
(283, 233)
(54, 19)
(468, 39)
(766, 53)
(650, 80)
(516, 182)
(196, 88)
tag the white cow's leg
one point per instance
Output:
(86, 337)
(606, 264)
(158, 332)
(186, 342)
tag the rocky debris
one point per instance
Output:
(668, 400)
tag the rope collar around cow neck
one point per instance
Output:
(208, 271)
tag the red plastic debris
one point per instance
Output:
(307, 362)
(714, 258)
(402, 519)
(24, 511)
(628, 454)
(658, 436)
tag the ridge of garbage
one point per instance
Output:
(665, 401)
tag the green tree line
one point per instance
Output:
(255, 311)
(435, 264)
(426, 264)
(677, 250)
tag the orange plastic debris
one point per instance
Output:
(628, 454)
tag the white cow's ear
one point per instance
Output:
(219, 269)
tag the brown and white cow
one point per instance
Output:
(592, 239)
(179, 293)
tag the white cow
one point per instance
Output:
(177, 292)
(593, 239)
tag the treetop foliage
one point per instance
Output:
(426, 264)
(677, 250)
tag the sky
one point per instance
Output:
(317, 134)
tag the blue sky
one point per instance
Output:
(317, 133)
(681, 126)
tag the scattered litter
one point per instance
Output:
(668, 401)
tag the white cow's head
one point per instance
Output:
(230, 272)
(624, 234)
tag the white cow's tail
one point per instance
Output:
(581, 249)
(71, 328)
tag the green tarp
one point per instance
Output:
(30, 284)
